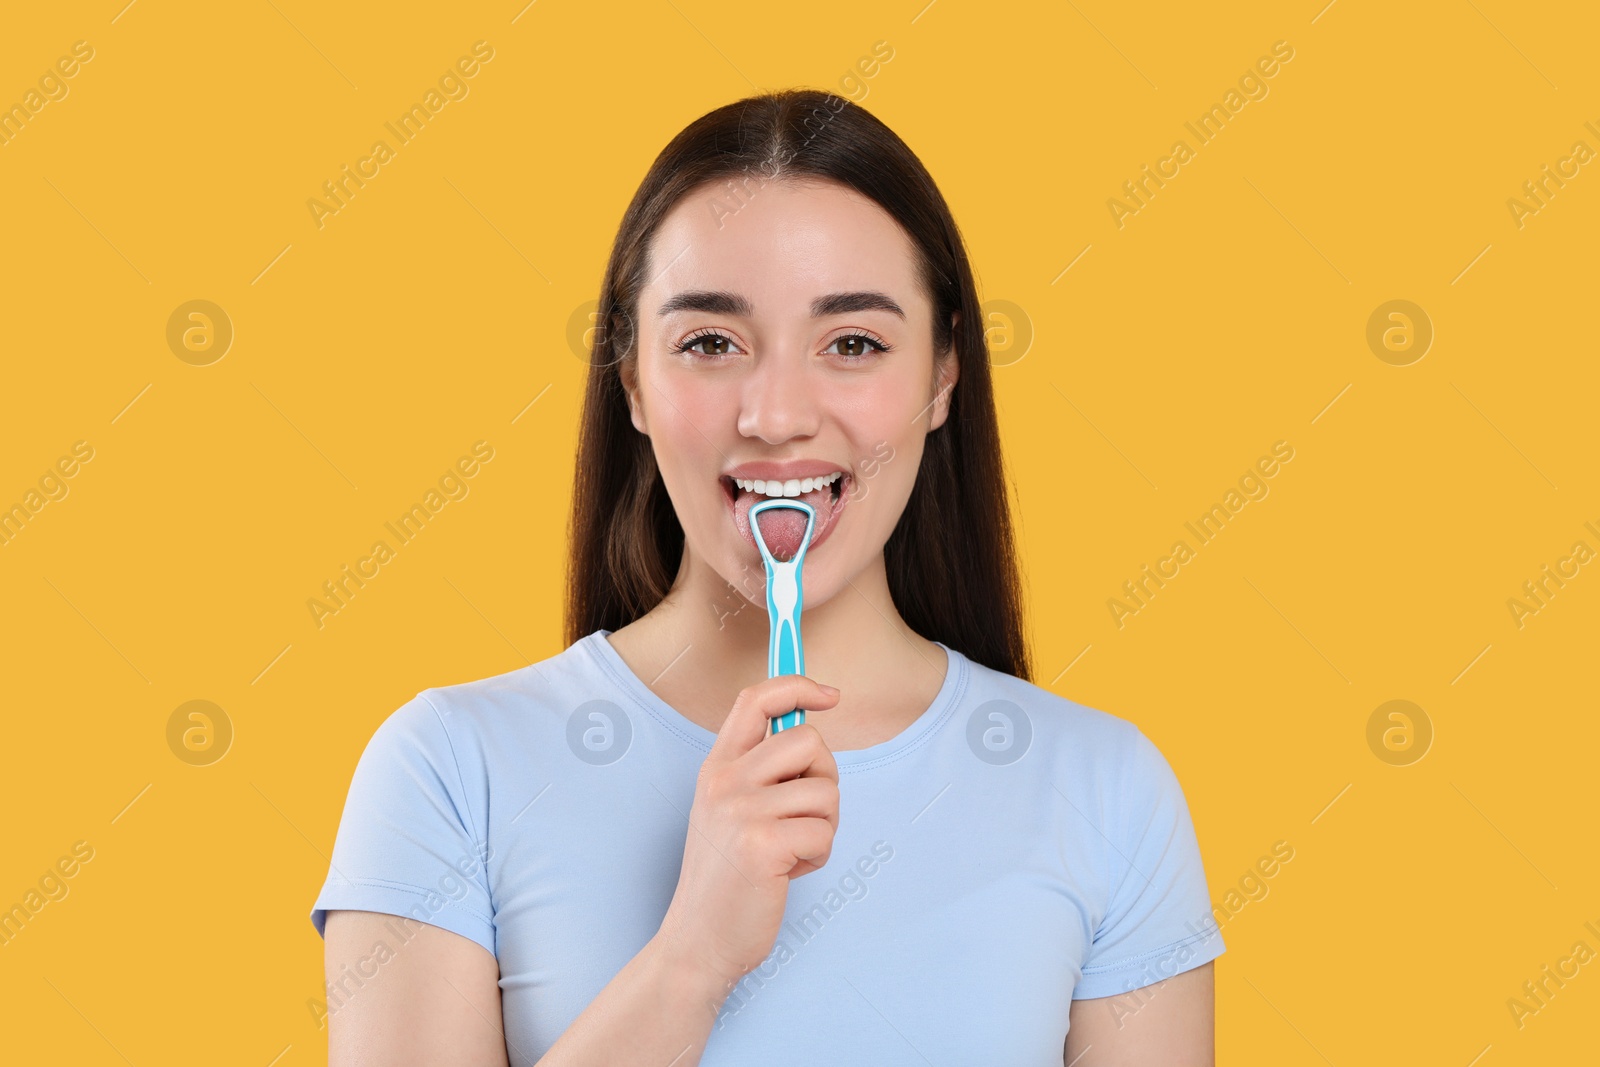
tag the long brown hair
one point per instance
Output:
(951, 561)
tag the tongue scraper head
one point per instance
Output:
(785, 653)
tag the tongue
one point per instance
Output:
(783, 528)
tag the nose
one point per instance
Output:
(779, 401)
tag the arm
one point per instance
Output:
(435, 1002)
(435, 999)
(1170, 1024)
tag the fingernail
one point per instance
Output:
(830, 690)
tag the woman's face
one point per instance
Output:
(783, 340)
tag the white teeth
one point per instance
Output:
(791, 487)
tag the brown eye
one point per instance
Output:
(853, 346)
(692, 344)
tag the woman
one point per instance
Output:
(610, 854)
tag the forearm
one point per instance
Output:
(659, 1009)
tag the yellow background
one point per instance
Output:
(1229, 313)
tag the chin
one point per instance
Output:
(820, 579)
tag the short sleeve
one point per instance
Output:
(408, 843)
(1158, 922)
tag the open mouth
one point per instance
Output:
(783, 528)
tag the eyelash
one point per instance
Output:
(881, 345)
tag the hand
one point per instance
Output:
(766, 807)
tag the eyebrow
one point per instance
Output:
(718, 302)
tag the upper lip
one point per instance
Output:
(791, 470)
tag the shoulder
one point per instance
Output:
(463, 724)
(1057, 721)
(539, 689)
(1086, 751)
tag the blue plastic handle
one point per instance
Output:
(785, 652)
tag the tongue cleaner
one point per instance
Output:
(785, 654)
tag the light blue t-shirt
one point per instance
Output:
(1007, 853)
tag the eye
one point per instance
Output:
(858, 341)
(701, 338)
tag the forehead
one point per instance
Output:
(781, 244)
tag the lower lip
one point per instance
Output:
(817, 538)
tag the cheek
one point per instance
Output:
(670, 395)
(887, 437)
(686, 433)
(686, 418)
(897, 463)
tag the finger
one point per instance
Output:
(809, 798)
(798, 752)
(807, 839)
(749, 721)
